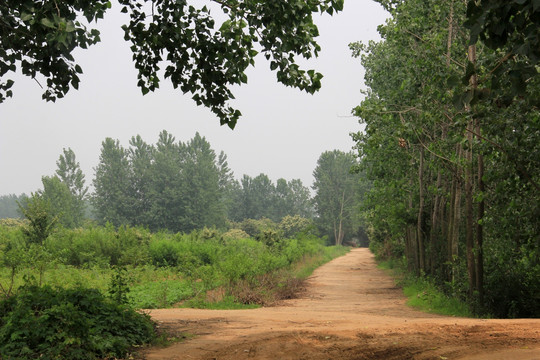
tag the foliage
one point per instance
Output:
(203, 60)
(423, 293)
(9, 207)
(235, 234)
(254, 227)
(63, 205)
(43, 322)
(41, 221)
(336, 195)
(292, 225)
(258, 197)
(171, 185)
(511, 26)
(70, 174)
(118, 288)
(451, 147)
(161, 269)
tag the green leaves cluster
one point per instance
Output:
(43, 322)
(39, 38)
(258, 198)
(172, 185)
(185, 186)
(454, 163)
(197, 56)
(337, 195)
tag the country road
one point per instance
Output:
(350, 310)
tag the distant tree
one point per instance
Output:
(9, 207)
(41, 222)
(61, 202)
(254, 199)
(301, 201)
(203, 179)
(202, 59)
(292, 198)
(141, 159)
(168, 186)
(70, 173)
(228, 185)
(335, 195)
(111, 198)
(171, 185)
(258, 197)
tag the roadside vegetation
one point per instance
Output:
(450, 145)
(76, 278)
(423, 293)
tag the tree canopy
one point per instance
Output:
(451, 144)
(169, 39)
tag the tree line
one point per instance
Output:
(452, 147)
(184, 186)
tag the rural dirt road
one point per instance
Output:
(351, 310)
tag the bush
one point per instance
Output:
(47, 323)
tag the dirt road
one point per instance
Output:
(351, 310)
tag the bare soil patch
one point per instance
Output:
(350, 310)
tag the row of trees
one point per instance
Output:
(452, 143)
(184, 186)
(181, 186)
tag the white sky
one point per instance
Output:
(282, 131)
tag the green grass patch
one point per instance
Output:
(425, 296)
(422, 293)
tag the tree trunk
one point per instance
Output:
(435, 235)
(469, 234)
(480, 228)
(455, 216)
(419, 230)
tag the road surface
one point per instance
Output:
(350, 310)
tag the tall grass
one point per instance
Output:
(165, 269)
(422, 293)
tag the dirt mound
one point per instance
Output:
(350, 310)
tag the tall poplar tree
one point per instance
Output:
(70, 173)
(111, 198)
(336, 197)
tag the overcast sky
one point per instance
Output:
(282, 131)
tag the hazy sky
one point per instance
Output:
(282, 131)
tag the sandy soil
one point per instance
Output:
(350, 310)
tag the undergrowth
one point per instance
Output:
(423, 294)
(55, 323)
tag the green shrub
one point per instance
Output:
(234, 234)
(164, 253)
(47, 323)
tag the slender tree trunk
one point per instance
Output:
(450, 33)
(453, 227)
(435, 235)
(413, 236)
(340, 240)
(419, 230)
(469, 234)
(469, 223)
(480, 227)
(335, 233)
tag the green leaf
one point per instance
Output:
(70, 26)
(26, 16)
(48, 23)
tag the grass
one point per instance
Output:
(267, 289)
(423, 294)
